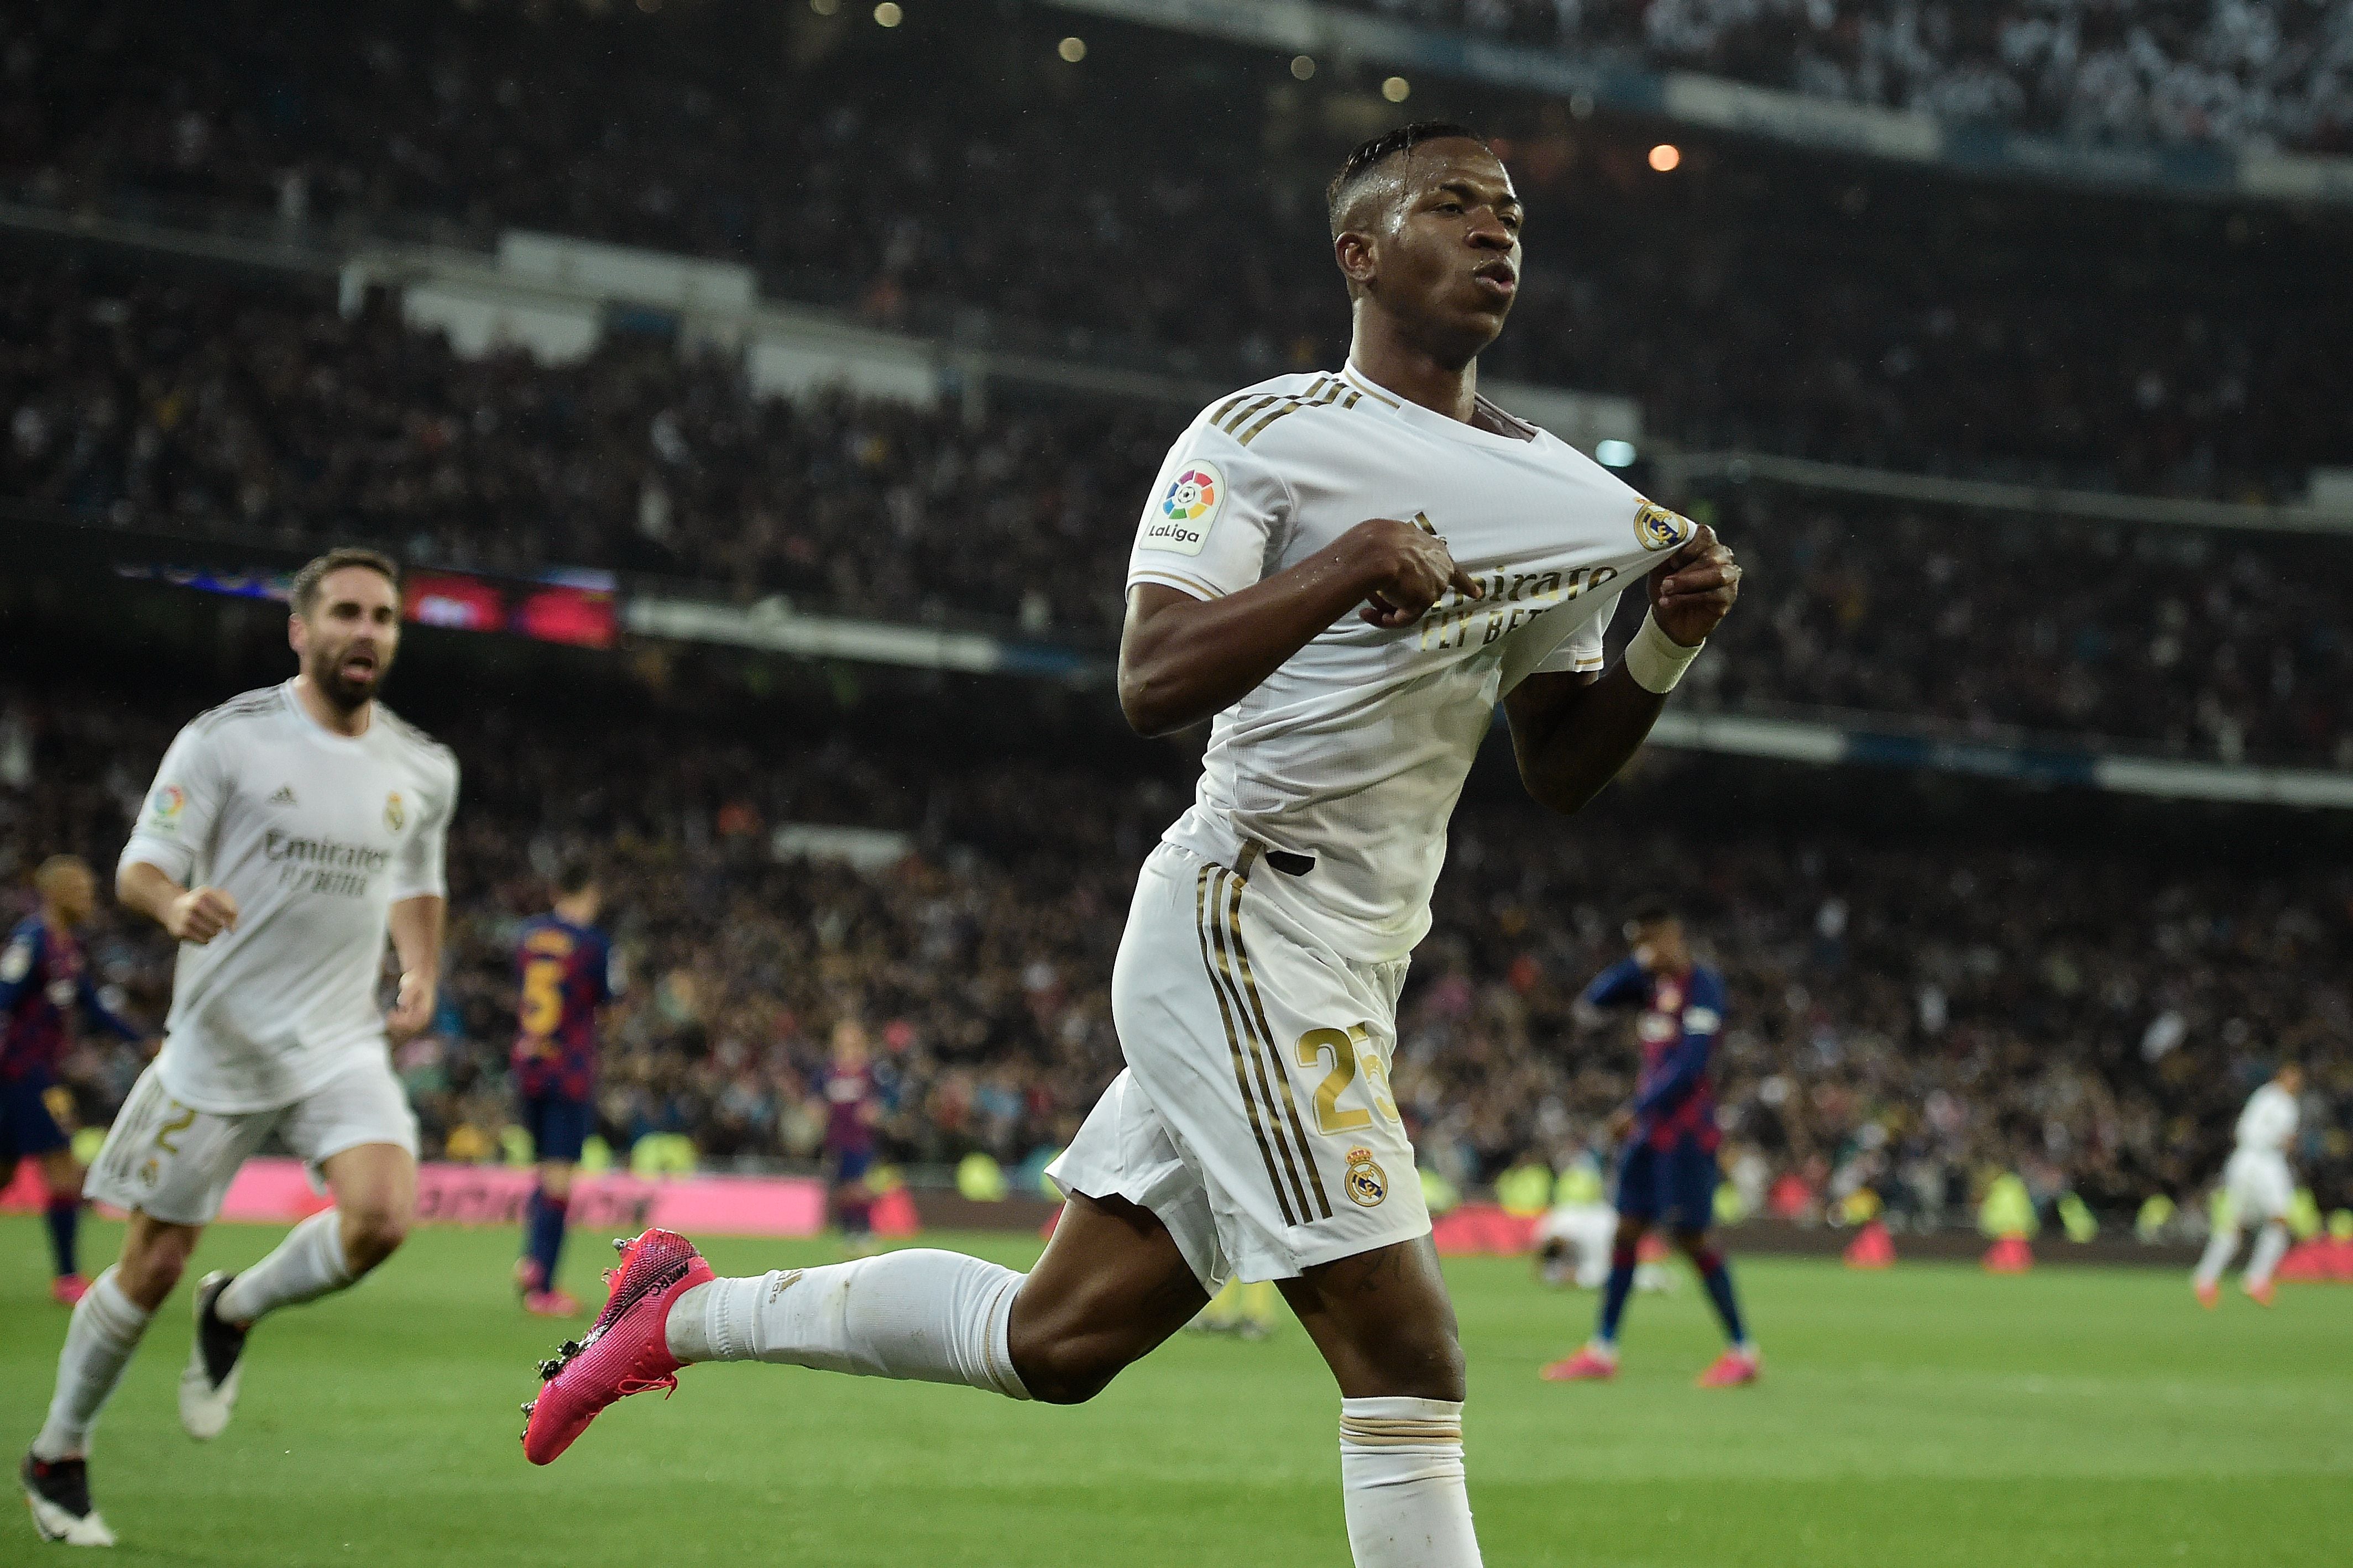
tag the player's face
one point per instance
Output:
(2291, 1079)
(1659, 947)
(348, 639)
(72, 892)
(1447, 255)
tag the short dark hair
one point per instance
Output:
(1649, 912)
(304, 596)
(1372, 155)
(574, 877)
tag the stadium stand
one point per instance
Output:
(212, 408)
(1910, 1013)
(1753, 299)
(2267, 71)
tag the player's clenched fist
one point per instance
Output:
(1404, 568)
(201, 914)
(1692, 590)
(412, 1008)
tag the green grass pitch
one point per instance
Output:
(1929, 1416)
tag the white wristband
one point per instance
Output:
(1655, 660)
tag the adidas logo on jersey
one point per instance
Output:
(285, 796)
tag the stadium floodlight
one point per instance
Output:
(888, 14)
(1396, 89)
(1665, 157)
(1303, 67)
(825, 8)
(1073, 49)
(1614, 453)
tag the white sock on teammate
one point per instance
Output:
(2271, 1246)
(1401, 1483)
(2219, 1246)
(309, 1264)
(921, 1315)
(106, 1329)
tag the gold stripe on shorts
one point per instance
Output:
(1258, 1013)
(1202, 906)
(1222, 929)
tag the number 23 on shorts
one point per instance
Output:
(1351, 1048)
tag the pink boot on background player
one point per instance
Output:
(1588, 1365)
(67, 1289)
(550, 1304)
(1732, 1369)
(627, 1350)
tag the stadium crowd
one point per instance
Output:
(2261, 72)
(211, 409)
(1914, 1018)
(1751, 300)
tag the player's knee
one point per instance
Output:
(372, 1234)
(1058, 1366)
(1430, 1365)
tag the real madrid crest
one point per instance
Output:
(394, 814)
(1659, 529)
(1366, 1182)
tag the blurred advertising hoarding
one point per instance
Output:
(579, 608)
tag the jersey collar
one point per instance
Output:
(1435, 422)
(318, 731)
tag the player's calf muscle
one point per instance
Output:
(154, 1254)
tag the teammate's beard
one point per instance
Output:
(326, 672)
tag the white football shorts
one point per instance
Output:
(1255, 1119)
(174, 1162)
(2260, 1186)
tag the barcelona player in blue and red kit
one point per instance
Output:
(1667, 1172)
(564, 967)
(43, 980)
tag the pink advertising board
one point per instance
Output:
(278, 1191)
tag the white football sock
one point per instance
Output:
(106, 1328)
(1402, 1482)
(309, 1264)
(2271, 1246)
(929, 1316)
(2217, 1257)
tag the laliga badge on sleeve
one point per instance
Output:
(1188, 509)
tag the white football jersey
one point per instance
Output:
(1354, 753)
(2268, 1123)
(316, 836)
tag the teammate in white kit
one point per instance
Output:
(1352, 667)
(2259, 1189)
(287, 831)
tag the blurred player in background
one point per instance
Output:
(43, 979)
(1667, 1175)
(288, 830)
(564, 968)
(1343, 573)
(852, 1110)
(2258, 1189)
(1573, 1239)
(1244, 1309)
